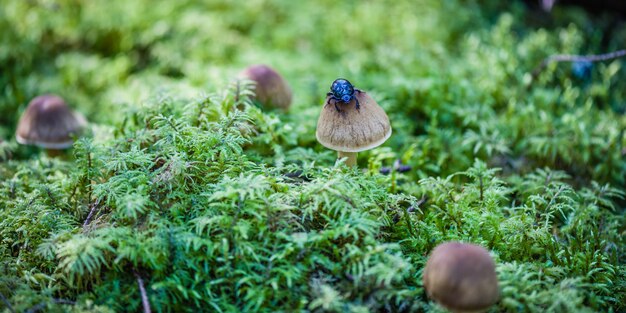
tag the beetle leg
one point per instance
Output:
(334, 103)
(336, 107)
(332, 97)
(329, 96)
(358, 106)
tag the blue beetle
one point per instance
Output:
(342, 91)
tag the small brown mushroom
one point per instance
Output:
(352, 130)
(461, 277)
(49, 123)
(271, 90)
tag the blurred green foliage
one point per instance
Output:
(220, 206)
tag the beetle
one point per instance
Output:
(343, 91)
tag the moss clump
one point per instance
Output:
(217, 205)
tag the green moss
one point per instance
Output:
(220, 206)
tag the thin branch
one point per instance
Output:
(409, 225)
(452, 217)
(43, 305)
(237, 92)
(63, 301)
(144, 295)
(7, 303)
(93, 209)
(481, 187)
(89, 176)
(577, 58)
(558, 193)
(417, 205)
(37, 308)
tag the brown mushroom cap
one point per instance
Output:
(353, 130)
(49, 123)
(271, 89)
(461, 277)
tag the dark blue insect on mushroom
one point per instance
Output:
(342, 91)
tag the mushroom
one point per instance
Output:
(348, 130)
(461, 277)
(272, 91)
(50, 124)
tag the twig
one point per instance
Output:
(144, 295)
(409, 225)
(7, 303)
(452, 217)
(237, 92)
(63, 301)
(93, 209)
(577, 58)
(481, 187)
(42, 305)
(89, 176)
(419, 203)
(556, 195)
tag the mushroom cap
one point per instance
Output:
(353, 130)
(49, 123)
(271, 89)
(461, 277)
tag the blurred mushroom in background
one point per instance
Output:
(547, 5)
(271, 89)
(50, 124)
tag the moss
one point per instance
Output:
(218, 205)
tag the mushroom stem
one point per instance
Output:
(351, 161)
